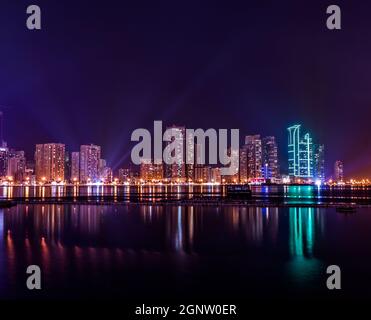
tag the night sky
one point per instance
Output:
(100, 69)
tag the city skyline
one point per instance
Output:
(99, 82)
(258, 162)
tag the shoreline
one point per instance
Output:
(259, 203)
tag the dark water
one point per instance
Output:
(172, 252)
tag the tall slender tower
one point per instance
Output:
(300, 152)
(176, 172)
(338, 171)
(254, 156)
(89, 163)
(270, 158)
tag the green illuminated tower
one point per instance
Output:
(300, 153)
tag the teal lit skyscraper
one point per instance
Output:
(300, 152)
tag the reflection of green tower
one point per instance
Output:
(300, 152)
(301, 231)
(303, 266)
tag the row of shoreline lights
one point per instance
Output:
(330, 182)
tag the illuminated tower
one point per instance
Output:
(176, 172)
(16, 165)
(150, 172)
(49, 159)
(300, 152)
(293, 148)
(270, 158)
(254, 156)
(75, 166)
(319, 162)
(243, 165)
(89, 163)
(338, 171)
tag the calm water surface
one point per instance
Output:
(136, 251)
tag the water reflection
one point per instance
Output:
(77, 245)
(304, 223)
(182, 225)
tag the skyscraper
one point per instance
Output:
(300, 152)
(49, 160)
(89, 163)
(177, 171)
(75, 166)
(16, 165)
(233, 178)
(150, 172)
(270, 158)
(338, 171)
(4, 153)
(319, 162)
(243, 165)
(254, 156)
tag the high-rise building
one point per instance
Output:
(75, 166)
(254, 156)
(106, 174)
(300, 152)
(338, 171)
(270, 167)
(198, 174)
(233, 178)
(125, 175)
(216, 175)
(49, 159)
(4, 154)
(16, 165)
(243, 173)
(89, 163)
(67, 164)
(176, 172)
(150, 172)
(319, 162)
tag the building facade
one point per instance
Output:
(243, 174)
(338, 171)
(150, 172)
(16, 165)
(300, 153)
(90, 156)
(176, 172)
(75, 166)
(253, 145)
(319, 162)
(270, 166)
(50, 162)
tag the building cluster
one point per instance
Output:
(258, 163)
(54, 164)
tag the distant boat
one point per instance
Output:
(239, 191)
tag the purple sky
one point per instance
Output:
(100, 69)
